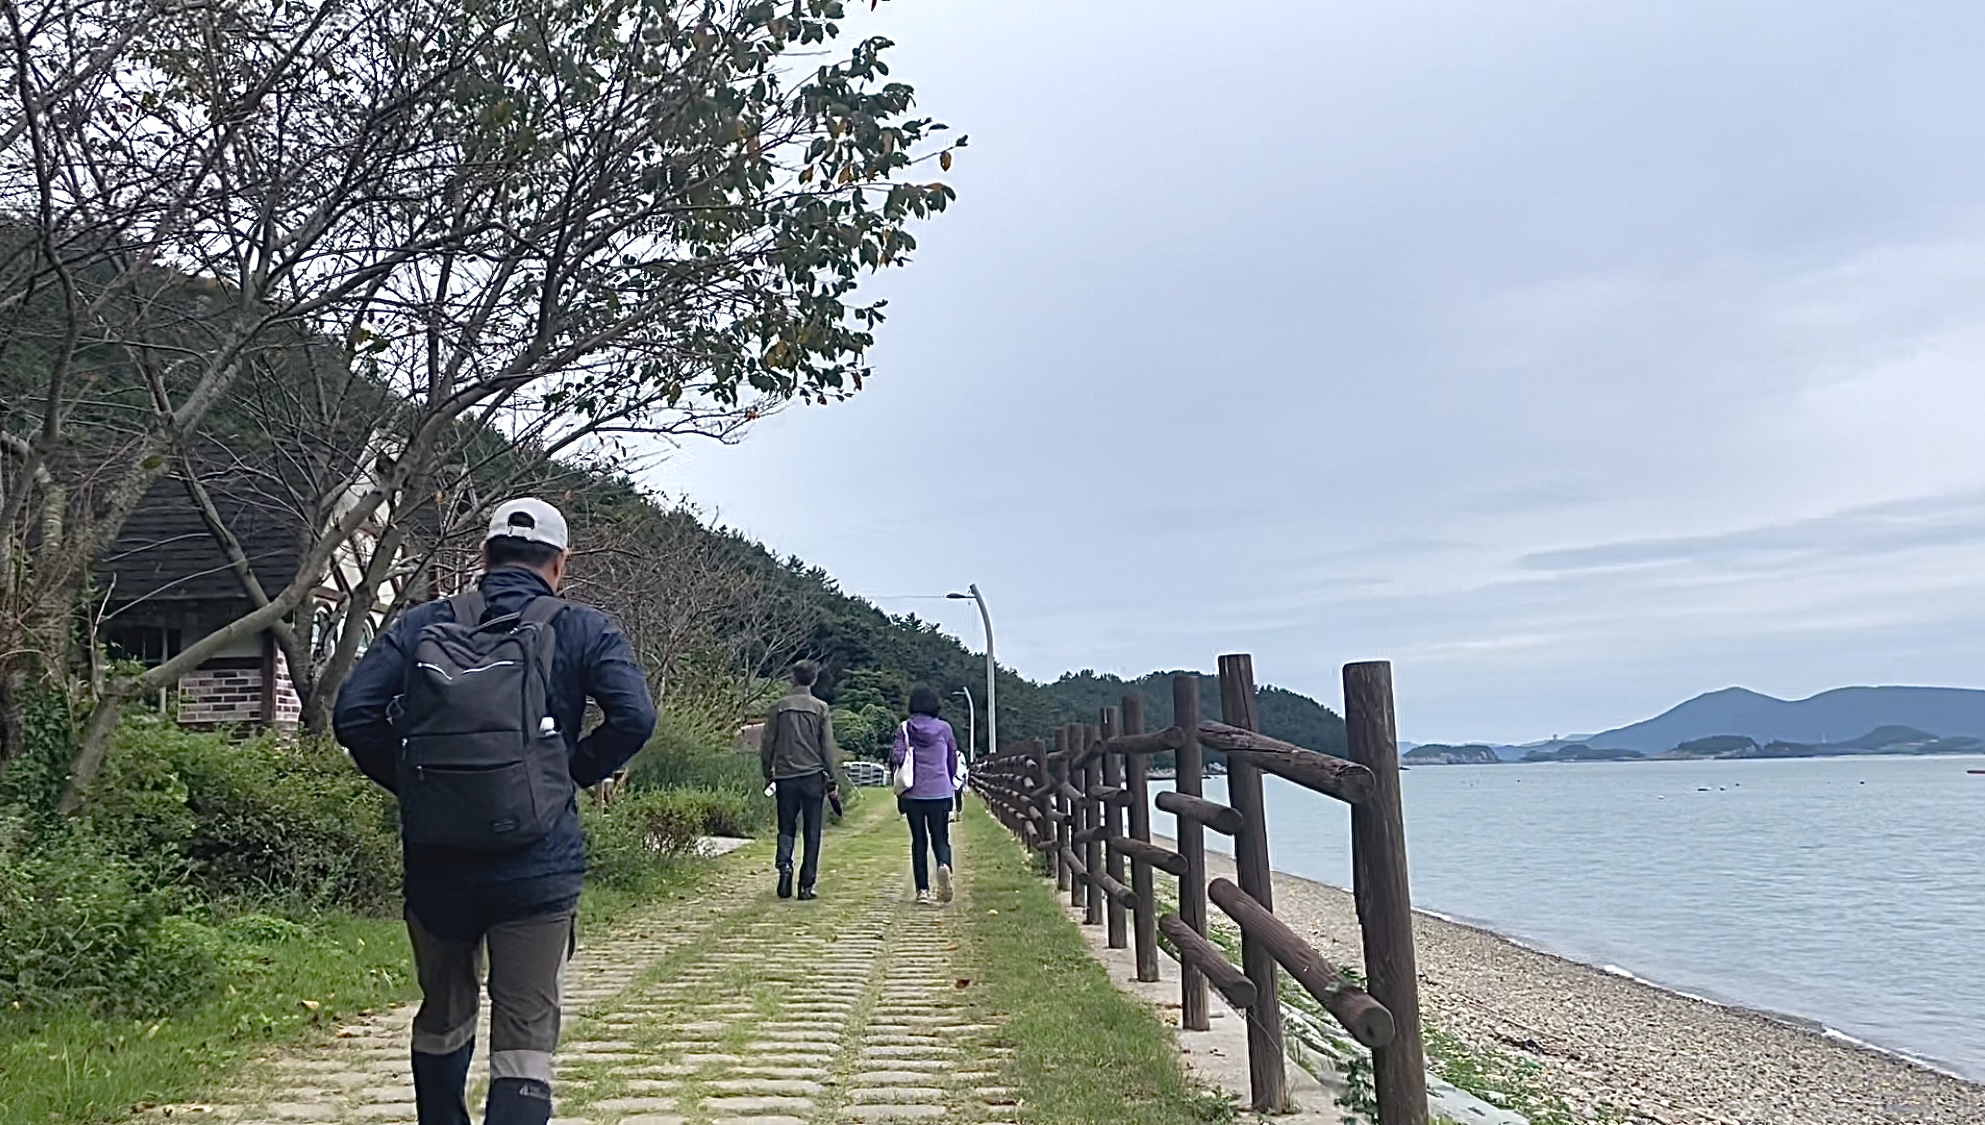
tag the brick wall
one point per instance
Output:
(289, 706)
(228, 691)
(222, 691)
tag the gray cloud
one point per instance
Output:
(1876, 529)
(1577, 357)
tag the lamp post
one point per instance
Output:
(992, 699)
(972, 723)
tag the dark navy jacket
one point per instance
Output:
(592, 659)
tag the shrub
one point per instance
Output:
(638, 838)
(686, 756)
(687, 752)
(260, 819)
(78, 925)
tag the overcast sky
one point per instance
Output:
(1576, 357)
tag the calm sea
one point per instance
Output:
(1848, 892)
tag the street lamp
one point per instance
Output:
(992, 699)
(972, 721)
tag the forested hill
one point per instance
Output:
(1284, 714)
(871, 659)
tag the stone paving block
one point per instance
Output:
(898, 1095)
(916, 1112)
(767, 1087)
(645, 1104)
(742, 1104)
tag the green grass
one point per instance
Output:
(77, 1067)
(73, 1068)
(1082, 1050)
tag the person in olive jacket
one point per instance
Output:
(801, 762)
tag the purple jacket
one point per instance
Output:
(937, 757)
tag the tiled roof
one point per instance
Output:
(166, 551)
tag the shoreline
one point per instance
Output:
(1795, 1022)
(1605, 1038)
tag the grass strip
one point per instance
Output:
(1082, 1050)
(77, 1067)
(304, 980)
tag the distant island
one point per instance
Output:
(1737, 723)
(1891, 739)
(1434, 754)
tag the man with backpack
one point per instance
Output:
(469, 709)
(801, 762)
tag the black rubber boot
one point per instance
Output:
(518, 1101)
(441, 1086)
(785, 882)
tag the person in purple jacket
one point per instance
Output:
(927, 803)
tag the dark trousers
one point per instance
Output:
(930, 831)
(526, 970)
(800, 799)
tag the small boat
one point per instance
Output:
(1975, 771)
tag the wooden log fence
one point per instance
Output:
(1085, 808)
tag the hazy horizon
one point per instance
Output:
(1579, 360)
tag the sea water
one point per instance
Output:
(1845, 892)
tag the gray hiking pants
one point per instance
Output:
(526, 972)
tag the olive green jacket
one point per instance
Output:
(798, 740)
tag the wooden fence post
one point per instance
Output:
(1266, 1073)
(1137, 784)
(1092, 854)
(1078, 819)
(1195, 1011)
(1043, 804)
(1112, 768)
(1385, 905)
(1057, 771)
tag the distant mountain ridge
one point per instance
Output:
(1841, 715)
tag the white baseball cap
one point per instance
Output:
(529, 519)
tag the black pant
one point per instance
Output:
(930, 823)
(800, 799)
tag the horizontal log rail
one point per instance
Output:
(1225, 977)
(1074, 863)
(1325, 773)
(1164, 859)
(1067, 804)
(1143, 745)
(1365, 1018)
(1211, 814)
(1116, 891)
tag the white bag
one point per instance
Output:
(906, 774)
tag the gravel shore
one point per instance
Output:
(1604, 1040)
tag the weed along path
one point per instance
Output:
(735, 1006)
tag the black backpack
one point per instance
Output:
(483, 765)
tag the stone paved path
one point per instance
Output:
(733, 1008)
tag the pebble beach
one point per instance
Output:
(1606, 1042)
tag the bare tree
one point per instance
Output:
(563, 219)
(684, 592)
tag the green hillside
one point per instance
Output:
(871, 659)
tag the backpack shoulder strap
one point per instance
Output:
(542, 609)
(468, 607)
